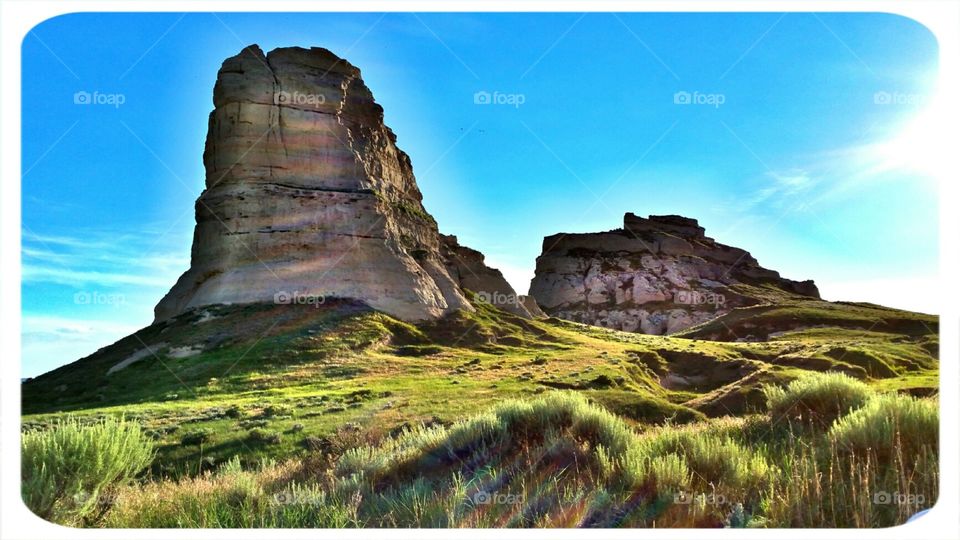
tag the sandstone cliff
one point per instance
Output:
(656, 275)
(308, 197)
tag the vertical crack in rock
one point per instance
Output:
(277, 95)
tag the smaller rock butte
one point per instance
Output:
(656, 275)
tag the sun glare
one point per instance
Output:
(921, 147)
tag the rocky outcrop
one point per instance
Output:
(468, 269)
(308, 197)
(656, 275)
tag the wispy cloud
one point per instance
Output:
(64, 276)
(782, 187)
(97, 258)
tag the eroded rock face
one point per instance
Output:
(471, 273)
(656, 275)
(308, 197)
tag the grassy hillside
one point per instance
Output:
(231, 386)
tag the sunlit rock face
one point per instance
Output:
(656, 275)
(308, 197)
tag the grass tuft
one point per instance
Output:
(817, 399)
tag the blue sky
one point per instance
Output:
(810, 145)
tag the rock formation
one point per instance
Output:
(307, 196)
(656, 275)
(487, 284)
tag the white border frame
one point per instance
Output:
(17, 17)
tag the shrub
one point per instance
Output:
(815, 399)
(67, 468)
(196, 437)
(272, 411)
(888, 420)
(234, 411)
(316, 444)
(260, 435)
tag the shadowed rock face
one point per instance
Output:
(307, 195)
(656, 275)
(468, 268)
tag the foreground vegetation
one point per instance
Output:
(295, 416)
(561, 461)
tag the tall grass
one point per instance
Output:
(68, 468)
(561, 461)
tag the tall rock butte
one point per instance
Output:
(656, 275)
(307, 195)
